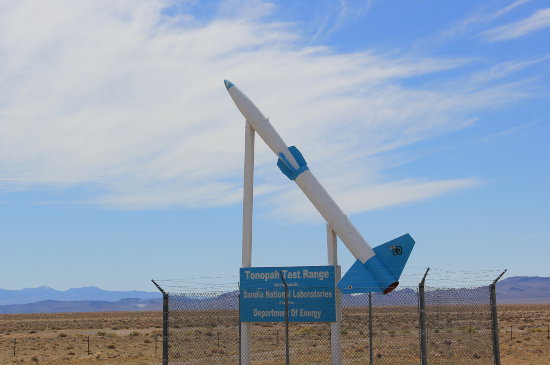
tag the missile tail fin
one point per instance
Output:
(358, 280)
(381, 272)
(395, 253)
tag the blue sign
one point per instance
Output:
(311, 294)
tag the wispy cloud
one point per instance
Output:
(480, 17)
(500, 71)
(507, 9)
(128, 100)
(367, 198)
(539, 20)
(512, 130)
(335, 18)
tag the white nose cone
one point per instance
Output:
(245, 105)
(259, 122)
(228, 84)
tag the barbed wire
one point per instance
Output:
(437, 277)
(200, 277)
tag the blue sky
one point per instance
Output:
(121, 153)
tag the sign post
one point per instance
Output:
(248, 198)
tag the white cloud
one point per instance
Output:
(367, 198)
(539, 20)
(483, 16)
(120, 97)
(337, 14)
(507, 9)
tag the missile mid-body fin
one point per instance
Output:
(286, 167)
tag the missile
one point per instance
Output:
(376, 269)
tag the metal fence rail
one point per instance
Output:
(412, 325)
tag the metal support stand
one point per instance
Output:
(165, 323)
(422, 320)
(335, 327)
(494, 318)
(248, 197)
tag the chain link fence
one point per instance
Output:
(203, 328)
(381, 329)
(412, 325)
(459, 326)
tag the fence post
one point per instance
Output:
(494, 318)
(165, 333)
(287, 352)
(336, 326)
(371, 359)
(240, 328)
(422, 320)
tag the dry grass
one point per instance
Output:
(115, 338)
(524, 334)
(128, 338)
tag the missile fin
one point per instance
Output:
(359, 280)
(286, 167)
(395, 253)
(381, 272)
(295, 152)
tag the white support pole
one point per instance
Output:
(332, 247)
(335, 334)
(248, 196)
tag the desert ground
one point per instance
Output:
(524, 334)
(211, 337)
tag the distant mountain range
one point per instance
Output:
(87, 299)
(523, 289)
(513, 290)
(89, 293)
(54, 306)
